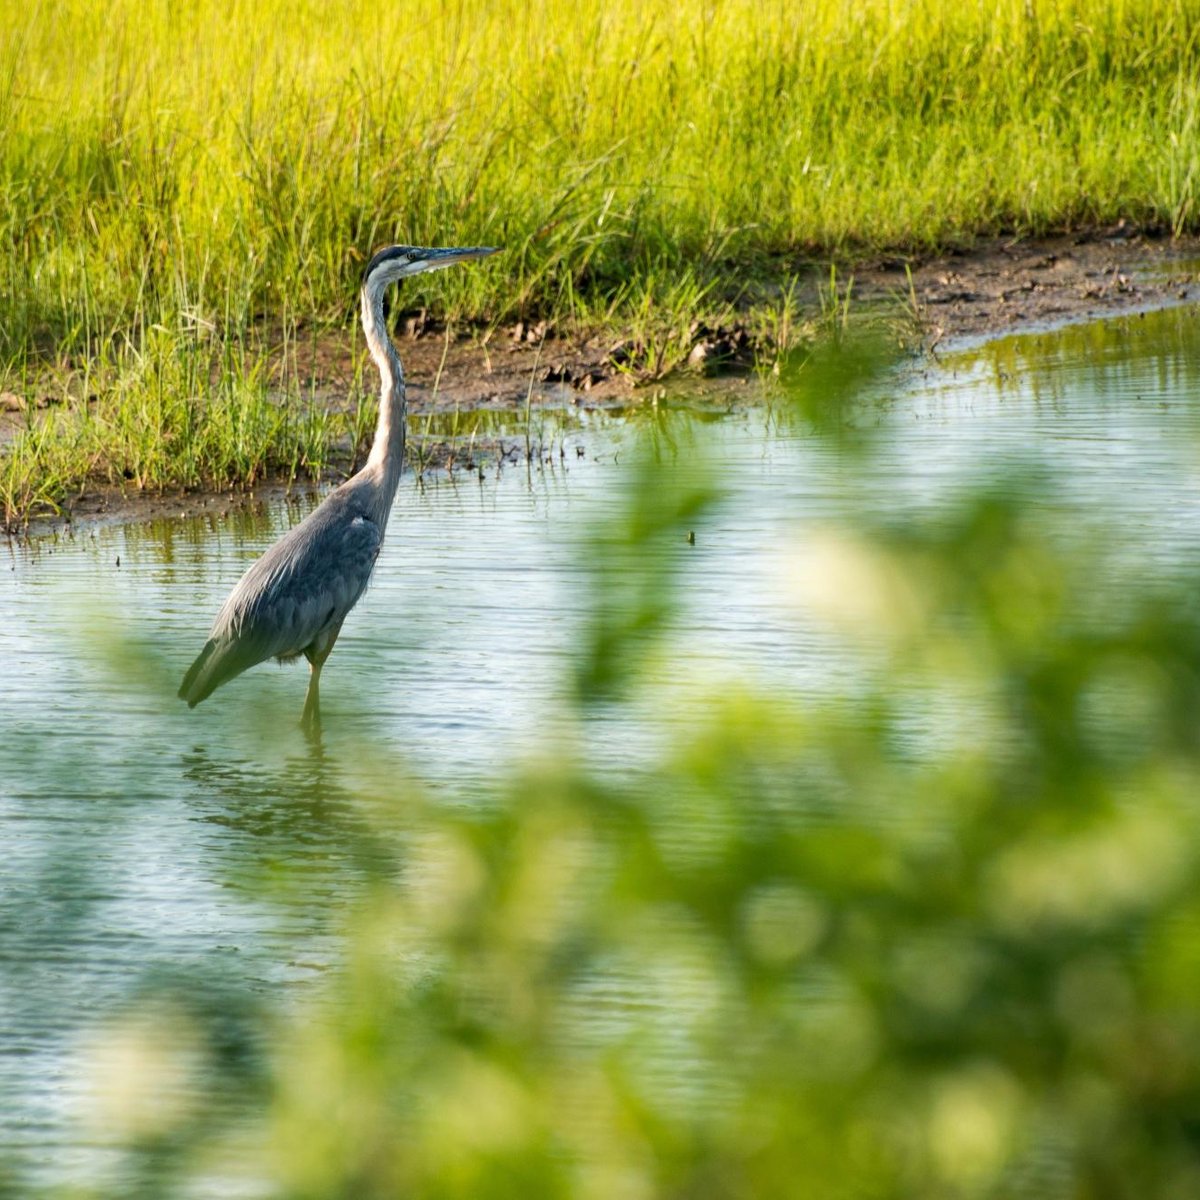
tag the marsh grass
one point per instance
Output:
(208, 172)
(225, 167)
(153, 414)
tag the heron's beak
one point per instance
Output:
(435, 259)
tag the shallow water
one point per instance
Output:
(138, 835)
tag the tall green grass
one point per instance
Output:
(181, 165)
(217, 160)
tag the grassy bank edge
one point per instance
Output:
(198, 409)
(201, 410)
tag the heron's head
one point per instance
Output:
(398, 262)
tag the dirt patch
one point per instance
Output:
(1008, 285)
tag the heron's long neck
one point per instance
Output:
(387, 452)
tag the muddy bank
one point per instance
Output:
(462, 460)
(1008, 285)
(935, 303)
(996, 287)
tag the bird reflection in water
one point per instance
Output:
(298, 819)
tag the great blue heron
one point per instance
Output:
(293, 600)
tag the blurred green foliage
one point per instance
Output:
(939, 938)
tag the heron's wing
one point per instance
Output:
(308, 580)
(302, 587)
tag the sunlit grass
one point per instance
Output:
(223, 163)
(160, 414)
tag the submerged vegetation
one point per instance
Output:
(201, 175)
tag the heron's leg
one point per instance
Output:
(311, 720)
(316, 654)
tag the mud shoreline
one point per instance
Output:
(952, 300)
(949, 301)
(1011, 285)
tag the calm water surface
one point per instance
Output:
(137, 835)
